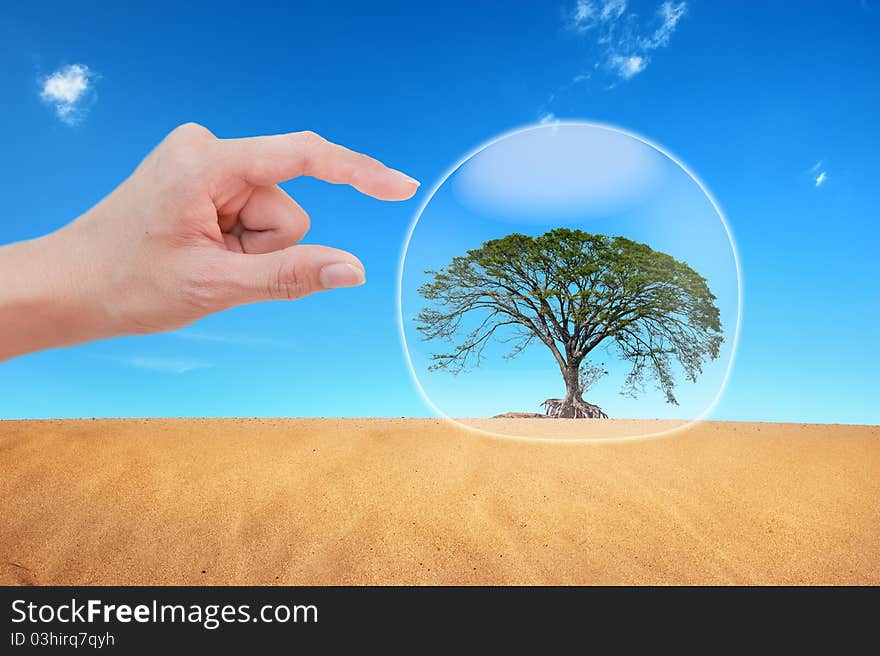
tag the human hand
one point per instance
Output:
(200, 226)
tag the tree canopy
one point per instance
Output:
(574, 291)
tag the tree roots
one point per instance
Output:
(573, 409)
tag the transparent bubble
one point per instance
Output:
(588, 180)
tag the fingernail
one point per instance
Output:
(407, 178)
(342, 274)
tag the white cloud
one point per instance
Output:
(627, 67)
(162, 364)
(624, 40)
(612, 10)
(66, 90)
(583, 17)
(588, 14)
(670, 13)
(818, 173)
(544, 113)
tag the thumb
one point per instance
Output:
(292, 273)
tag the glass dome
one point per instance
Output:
(564, 263)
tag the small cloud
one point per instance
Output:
(66, 90)
(818, 173)
(548, 119)
(623, 39)
(162, 364)
(583, 16)
(670, 13)
(544, 111)
(588, 14)
(627, 67)
(612, 10)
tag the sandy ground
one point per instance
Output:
(334, 501)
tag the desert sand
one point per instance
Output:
(414, 501)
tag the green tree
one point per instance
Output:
(574, 291)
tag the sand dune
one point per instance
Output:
(333, 501)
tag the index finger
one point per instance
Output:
(265, 161)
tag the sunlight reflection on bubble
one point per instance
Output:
(584, 177)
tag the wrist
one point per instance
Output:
(51, 295)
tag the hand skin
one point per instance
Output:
(199, 227)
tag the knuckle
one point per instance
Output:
(309, 139)
(308, 144)
(189, 139)
(192, 131)
(354, 175)
(184, 153)
(285, 284)
(204, 287)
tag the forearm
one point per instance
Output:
(48, 295)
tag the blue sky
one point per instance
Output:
(751, 96)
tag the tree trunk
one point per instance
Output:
(572, 406)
